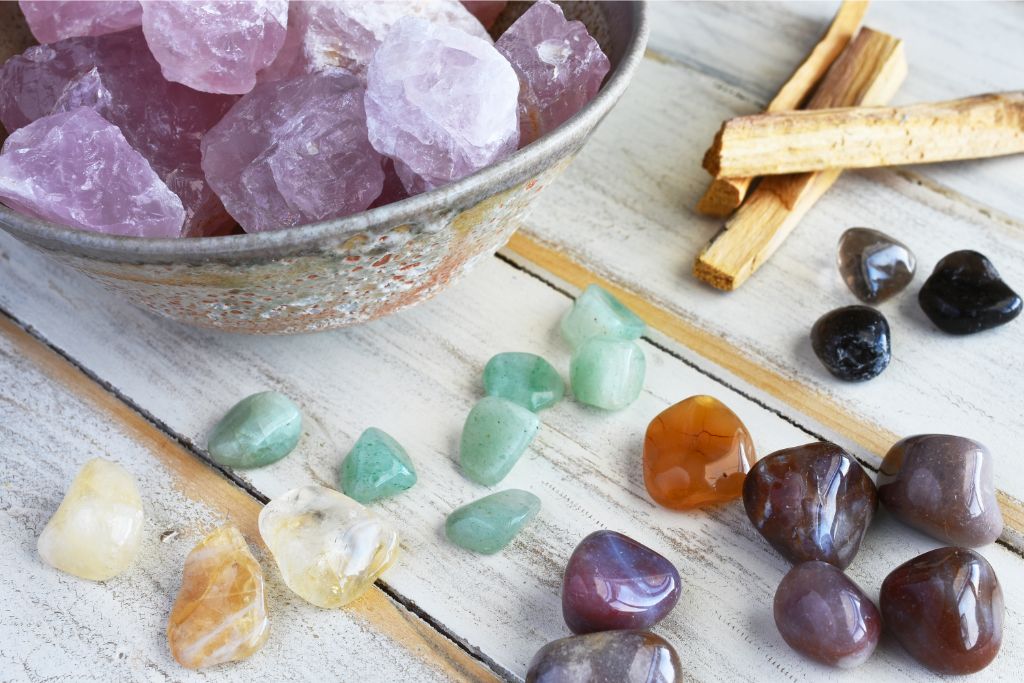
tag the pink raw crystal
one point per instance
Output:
(346, 33)
(294, 152)
(215, 46)
(440, 102)
(52, 21)
(487, 11)
(559, 64)
(115, 75)
(76, 168)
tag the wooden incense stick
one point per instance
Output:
(868, 72)
(725, 194)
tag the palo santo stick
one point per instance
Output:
(868, 72)
(725, 194)
(865, 137)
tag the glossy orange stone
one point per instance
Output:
(696, 452)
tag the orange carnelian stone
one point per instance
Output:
(696, 452)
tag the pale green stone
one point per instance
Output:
(376, 467)
(496, 433)
(259, 430)
(596, 313)
(523, 378)
(489, 524)
(607, 373)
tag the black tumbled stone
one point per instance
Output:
(964, 295)
(852, 342)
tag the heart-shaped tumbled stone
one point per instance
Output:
(873, 265)
(942, 485)
(811, 502)
(964, 295)
(620, 656)
(613, 582)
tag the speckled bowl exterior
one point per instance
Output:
(354, 269)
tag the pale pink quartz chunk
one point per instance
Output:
(294, 152)
(559, 64)
(440, 102)
(487, 11)
(346, 33)
(52, 21)
(75, 168)
(215, 46)
(116, 75)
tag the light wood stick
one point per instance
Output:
(725, 194)
(868, 72)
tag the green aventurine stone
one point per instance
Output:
(259, 430)
(489, 524)
(496, 433)
(596, 313)
(376, 467)
(523, 378)
(607, 373)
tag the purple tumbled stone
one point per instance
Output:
(116, 75)
(825, 616)
(440, 102)
(558, 63)
(609, 657)
(75, 168)
(215, 45)
(294, 152)
(346, 33)
(52, 21)
(613, 582)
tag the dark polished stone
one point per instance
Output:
(873, 265)
(811, 502)
(946, 609)
(942, 485)
(609, 657)
(852, 342)
(825, 616)
(613, 582)
(964, 295)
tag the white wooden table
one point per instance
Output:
(83, 374)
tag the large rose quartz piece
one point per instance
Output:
(440, 102)
(52, 21)
(116, 75)
(346, 33)
(559, 64)
(294, 152)
(76, 168)
(215, 46)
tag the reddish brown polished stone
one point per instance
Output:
(946, 609)
(609, 657)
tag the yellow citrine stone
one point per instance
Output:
(220, 614)
(330, 549)
(96, 532)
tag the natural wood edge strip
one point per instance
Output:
(724, 195)
(201, 483)
(869, 72)
(818, 407)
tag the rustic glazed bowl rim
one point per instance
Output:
(495, 178)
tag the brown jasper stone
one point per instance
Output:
(946, 609)
(696, 452)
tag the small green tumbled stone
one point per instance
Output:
(523, 378)
(489, 524)
(496, 433)
(596, 313)
(376, 467)
(607, 373)
(259, 430)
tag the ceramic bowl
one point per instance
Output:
(353, 269)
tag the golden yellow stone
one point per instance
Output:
(220, 614)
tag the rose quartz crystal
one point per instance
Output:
(52, 21)
(487, 11)
(116, 75)
(559, 65)
(77, 169)
(346, 33)
(215, 46)
(440, 102)
(294, 152)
